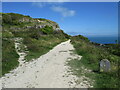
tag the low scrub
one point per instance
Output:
(92, 54)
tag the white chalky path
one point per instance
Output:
(48, 71)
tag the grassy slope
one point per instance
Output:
(39, 44)
(92, 54)
(9, 56)
(39, 41)
(39, 47)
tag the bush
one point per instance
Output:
(12, 19)
(47, 29)
(34, 33)
(6, 34)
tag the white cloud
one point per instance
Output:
(63, 11)
(51, 0)
(55, 0)
(43, 4)
(56, 7)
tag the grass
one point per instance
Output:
(82, 72)
(36, 48)
(92, 54)
(113, 48)
(9, 56)
(41, 46)
(75, 67)
(0, 55)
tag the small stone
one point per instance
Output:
(105, 65)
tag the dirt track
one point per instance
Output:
(48, 71)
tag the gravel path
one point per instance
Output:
(48, 71)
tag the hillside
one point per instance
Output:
(37, 34)
(25, 22)
(92, 54)
(25, 39)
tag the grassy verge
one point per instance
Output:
(41, 46)
(36, 48)
(92, 54)
(0, 54)
(9, 56)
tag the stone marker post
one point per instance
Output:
(105, 65)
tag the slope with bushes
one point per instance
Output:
(39, 35)
(92, 54)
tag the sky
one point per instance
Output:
(85, 18)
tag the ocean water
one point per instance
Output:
(100, 39)
(103, 40)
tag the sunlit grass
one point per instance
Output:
(91, 56)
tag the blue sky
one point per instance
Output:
(85, 18)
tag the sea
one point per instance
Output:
(100, 39)
(103, 40)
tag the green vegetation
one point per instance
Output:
(6, 34)
(12, 18)
(47, 30)
(0, 54)
(113, 48)
(9, 56)
(38, 40)
(92, 54)
(38, 47)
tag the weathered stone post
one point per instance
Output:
(105, 65)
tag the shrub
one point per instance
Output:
(47, 29)
(6, 34)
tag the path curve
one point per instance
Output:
(48, 71)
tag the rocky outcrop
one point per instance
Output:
(26, 22)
